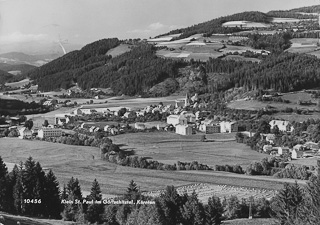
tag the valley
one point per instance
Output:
(218, 121)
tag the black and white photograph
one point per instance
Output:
(159, 112)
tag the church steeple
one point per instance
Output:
(186, 101)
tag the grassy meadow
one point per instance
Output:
(85, 164)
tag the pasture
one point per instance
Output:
(169, 148)
(85, 164)
(119, 50)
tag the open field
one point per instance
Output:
(241, 58)
(285, 20)
(256, 105)
(23, 220)
(18, 84)
(253, 221)
(119, 50)
(84, 163)
(169, 148)
(296, 117)
(204, 191)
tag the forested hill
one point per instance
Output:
(284, 72)
(133, 72)
(308, 9)
(296, 13)
(4, 76)
(215, 26)
(62, 71)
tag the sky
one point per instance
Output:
(85, 21)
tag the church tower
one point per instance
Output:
(186, 101)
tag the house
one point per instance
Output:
(139, 126)
(283, 150)
(298, 147)
(268, 137)
(267, 148)
(179, 104)
(49, 132)
(191, 118)
(177, 119)
(228, 127)
(283, 125)
(213, 128)
(161, 126)
(91, 129)
(295, 154)
(25, 133)
(183, 129)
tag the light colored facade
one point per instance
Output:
(228, 127)
(283, 125)
(176, 119)
(295, 154)
(183, 130)
(25, 133)
(283, 150)
(139, 126)
(49, 132)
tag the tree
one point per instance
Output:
(169, 204)
(18, 189)
(213, 211)
(313, 198)
(29, 124)
(288, 204)
(45, 123)
(133, 192)
(3, 184)
(95, 210)
(51, 200)
(71, 211)
(192, 211)
(232, 209)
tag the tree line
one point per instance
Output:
(215, 26)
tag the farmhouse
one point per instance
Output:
(49, 132)
(282, 125)
(267, 148)
(296, 154)
(228, 127)
(191, 118)
(177, 119)
(283, 150)
(183, 129)
(139, 126)
(25, 133)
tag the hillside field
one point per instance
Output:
(167, 147)
(85, 164)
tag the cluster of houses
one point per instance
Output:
(183, 122)
(298, 151)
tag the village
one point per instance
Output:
(185, 117)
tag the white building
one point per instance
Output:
(139, 126)
(25, 133)
(283, 150)
(177, 119)
(191, 118)
(228, 127)
(296, 154)
(282, 125)
(49, 132)
(183, 129)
